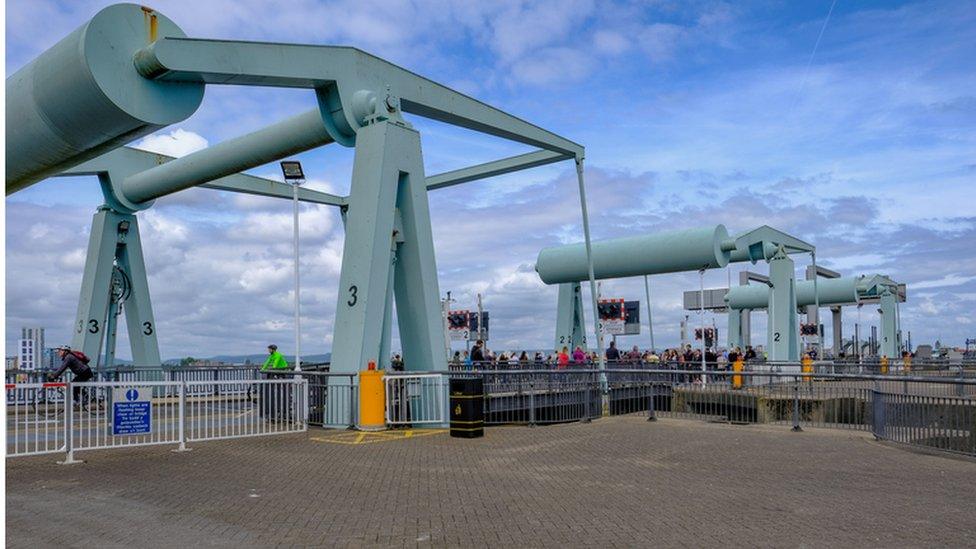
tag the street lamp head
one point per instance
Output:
(292, 170)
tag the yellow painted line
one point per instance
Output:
(370, 437)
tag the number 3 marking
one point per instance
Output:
(353, 299)
(147, 328)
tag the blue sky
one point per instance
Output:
(692, 113)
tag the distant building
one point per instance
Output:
(31, 349)
(51, 359)
(11, 363)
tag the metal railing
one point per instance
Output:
(87, 416)
(36, 424)
(153, 373)
(416, 399)
(935, 422)
(333, 398)
(540, 396)
(942, 406)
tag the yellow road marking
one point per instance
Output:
(369, 437)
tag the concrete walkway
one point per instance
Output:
(615, 482)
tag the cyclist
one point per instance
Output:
(275, 360)
(77, 362)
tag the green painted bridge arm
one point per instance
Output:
(128, 160)
(756, 241)
(496, 167)
(339, 75)
(250, 184)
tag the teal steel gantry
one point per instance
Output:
(669, 252)
(130, 71)
(832, 292)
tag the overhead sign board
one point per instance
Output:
(612, 316)
(131, 410)
(458, 325)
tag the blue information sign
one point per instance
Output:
(131, 410)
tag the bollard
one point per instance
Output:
(737, 366)
(372, 400)
(796, 405)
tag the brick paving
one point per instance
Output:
(615, 482)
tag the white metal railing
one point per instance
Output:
(416, 399)
(113, 414)
(276, 406)
(36, 422)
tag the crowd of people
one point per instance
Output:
(480, 356)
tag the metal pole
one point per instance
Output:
(650, 323)
(592, 278)
(69, 426)
(816, 303)
(298, 321)
(481, 318)
(701, 307)
(796, 405)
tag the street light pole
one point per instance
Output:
(292, 170)
(298, 316)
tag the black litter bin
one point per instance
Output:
(467, 408)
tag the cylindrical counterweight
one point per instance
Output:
(833, 291)
(291, 136)
(668, 252)
(83, 97)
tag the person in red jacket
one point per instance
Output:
(562, 360)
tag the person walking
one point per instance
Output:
(612, 353)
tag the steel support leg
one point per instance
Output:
(115, 241)
(735, 328)
(388, 179)
(784, 335)
(570, 330)
(890, 344)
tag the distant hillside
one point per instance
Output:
(254, 358)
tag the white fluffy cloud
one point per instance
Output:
(177, 142)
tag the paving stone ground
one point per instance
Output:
(615, 482)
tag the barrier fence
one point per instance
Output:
(416, 399)
(333, 399)
(939, 423)
(99, 415)
(930, 410)
(935, 412)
